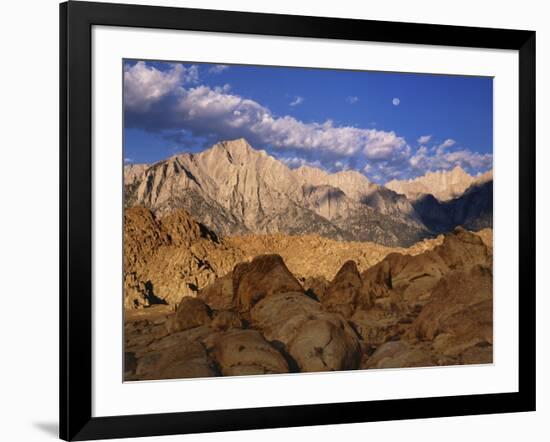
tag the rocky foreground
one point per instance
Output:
(430, 308)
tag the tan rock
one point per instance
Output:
(219, 294)
(183, 230)
(374, 327)
(143, 236)
(191, 312)
(186, 360)
(264, 276)
(161, 266)
(415, 276)
(165, 343)
(225, 320)
(321, 345)
(399, 354)
(314, 339)
(347, 292)
(460, 313)
(315, 287)
(246, 352)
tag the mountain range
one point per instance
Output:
(443, 185)
(234, 189)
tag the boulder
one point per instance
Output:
(314, 339)
(264, 276)
(459, 315)
(347, 292)
(199, 334)
(246, 352)
(399, 354)
(324, 345)
(188, 359)
(459, 301)
(415, 276)
(374, 327)
(191, 312)
(225, 320)
(315, 287)
(130, 364)
(219, 294)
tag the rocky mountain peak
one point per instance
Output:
(353, 175)
(232, 188)
(459, 171)
(239, 148)
(444, 184)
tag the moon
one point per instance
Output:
(396, 101)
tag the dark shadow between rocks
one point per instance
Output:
(292, 364)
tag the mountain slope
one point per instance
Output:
(235, 189)
(443, 185)
(472, 210)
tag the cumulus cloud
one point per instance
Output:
(297, 101)
(440, 149)
(396, 101)
(144, 85)
(423, 161)
(352, 99)
(295, 162)
(218, 69)
(424, 139)
(171, 103)
(204, 111)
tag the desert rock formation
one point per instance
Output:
(168, 258)
(432, 308)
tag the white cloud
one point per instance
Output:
(297, 101)
(422, 150)
(294, 162)
(442, 160)
(204, 110)
(447, 143)
(144, 85)
(444, 146)
(424, 139)
(340, 165)
(352, 99)
(396, 101)
(218, 69)
(128, 160)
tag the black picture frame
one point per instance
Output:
(76, 21)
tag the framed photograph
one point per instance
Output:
(272, 221)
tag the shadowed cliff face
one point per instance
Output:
(473, 209)
(430, 305)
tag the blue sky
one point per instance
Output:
(385, 125)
